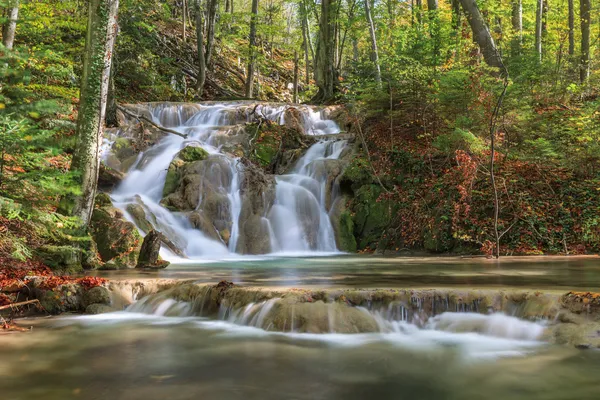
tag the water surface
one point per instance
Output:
(548, 273)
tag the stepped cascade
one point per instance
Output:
(197, 190)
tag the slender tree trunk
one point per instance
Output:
(455, 14)
(111, 100)
(419, 11)
(571, 27)
(325, 72)
(374, 52)
(211, 21)
(200, 48)
(252, 55)
(432, 5)
(184, 20)
(295, 97)
(10, 26)
(538, 28)
(100, 39)
(355, 50)
(517, 26)
(584, 15)
(306, 56)
(227, 2)
(481, 34)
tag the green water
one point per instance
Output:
(157, 360)
(128, 356)
(558, 273)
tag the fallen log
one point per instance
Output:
(148, 120)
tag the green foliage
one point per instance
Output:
(459, 139)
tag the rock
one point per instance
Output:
(200, 221)
(149, 253)
(94, 309)
(108, 177)
(258, 195)
(343, 225)
(96, 295)
(62, 259)
(117, 239)
(294, 119)
(193, 153)
(138, 214)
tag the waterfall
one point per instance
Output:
(296, 221)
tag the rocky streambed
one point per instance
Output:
(571, 318)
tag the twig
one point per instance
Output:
(23, 303)
(148, 120)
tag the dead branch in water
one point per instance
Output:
(148, 120)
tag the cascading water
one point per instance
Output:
(298, 220)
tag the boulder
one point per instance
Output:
(258, 195)
(138, 214)
(94, 309)
(117, 239)
(96, 295)
(149, 254)
(62, 259)
(343, 225)
(109, 178)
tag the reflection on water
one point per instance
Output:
(134, 356)
(561, 273)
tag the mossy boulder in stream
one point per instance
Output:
(117, 239)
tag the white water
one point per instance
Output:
(474, 336)
(298, 220)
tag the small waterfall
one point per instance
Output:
(299, 216)
(298, 220)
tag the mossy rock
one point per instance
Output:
(371, 216)
(193, 153)
(63, 259)
(345, 237)
(94, 309)
(96, 295)
(103, 200)
(117, 239)
(138, 214)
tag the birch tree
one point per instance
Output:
(97, 61)
(10, 26)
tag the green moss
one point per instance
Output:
(63, 259)
(171, 180)
(346, 240)
(193, 153)
(371, 216)
(138, 214)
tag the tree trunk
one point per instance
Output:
(252, 50)
(200, 48)
(419, 11)
(325, 72)
(184, 20)
(517, 26)
(211, 22)
(455, 14)
(538, 28)
(309, 53)
(432, 5)
(481, 34)
(111, 100)
(100, 39)
(227, 2)
(571, 27)
(374, 52)
(295, 97)
(584, 15)
(355, 50)
(10, 26)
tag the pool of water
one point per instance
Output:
(131, 356)
(560, 273)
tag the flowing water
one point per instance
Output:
(285, 345)
(298, 221)
(131, 356)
